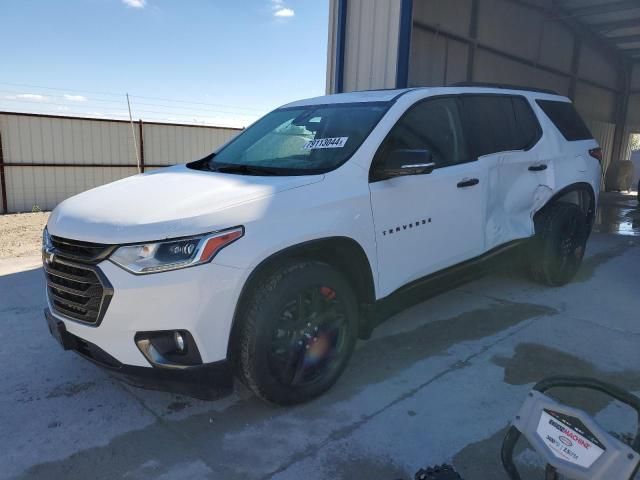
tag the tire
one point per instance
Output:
(559, 244)
(297, 332)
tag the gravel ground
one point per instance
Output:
(21, 234)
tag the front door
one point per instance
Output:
(428, 222)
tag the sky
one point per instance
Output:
(220, 62)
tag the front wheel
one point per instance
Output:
(558, 247)
(298, 332)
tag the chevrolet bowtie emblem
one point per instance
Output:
(49, 257)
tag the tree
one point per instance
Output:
(635, 141)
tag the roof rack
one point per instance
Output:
(504, 86)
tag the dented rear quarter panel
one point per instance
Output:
(516, 194)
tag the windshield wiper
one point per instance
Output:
(244, 169)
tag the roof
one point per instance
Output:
(615, 22)
(369, 96)
(352, 97)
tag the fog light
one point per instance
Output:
(168, 348)
(179, 339)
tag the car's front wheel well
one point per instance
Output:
(344, 254)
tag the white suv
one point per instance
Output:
(264, 258)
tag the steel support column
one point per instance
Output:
(141, 135)
(341, 35)
(622, 105)
(473, 35)
(3, 183)
(404, 43)
(575, 65)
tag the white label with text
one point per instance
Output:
(335, 142)
(566, 443)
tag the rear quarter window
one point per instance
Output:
(566, 119)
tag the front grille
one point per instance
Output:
(77, 291)
(81, 251)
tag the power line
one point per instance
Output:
(123, 111)
(121, 95)
(109, 112)
(259, 110)
(123, 116)
(120, 103)
(61, 89)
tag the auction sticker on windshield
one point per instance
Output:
(569, 439)
(334, 142)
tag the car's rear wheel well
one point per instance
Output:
(342, 253)
(580, 194)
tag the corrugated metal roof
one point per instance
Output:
(617, 22)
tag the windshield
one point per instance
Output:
(300, 140)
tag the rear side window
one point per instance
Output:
(566, 119)
(499, 123)
(528, 129)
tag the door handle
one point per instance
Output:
(468, 183)
(538, 168)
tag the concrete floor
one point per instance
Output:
(438, 382)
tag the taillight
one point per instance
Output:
(596, 153)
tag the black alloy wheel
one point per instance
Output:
(310, 339)
(559, 244)
(298, 330)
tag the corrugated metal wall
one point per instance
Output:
(47, 158)
(501, 41)
(171, 144)
(370, 61)
(331, 47)
(509, 43)
(604, 133)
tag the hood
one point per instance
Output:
(167, 203)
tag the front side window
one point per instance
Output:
(433, 125)
(300, 141)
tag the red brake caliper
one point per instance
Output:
(328, 293)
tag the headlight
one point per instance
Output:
(174, 254)
(46, 240)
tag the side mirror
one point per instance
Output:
(406, 162)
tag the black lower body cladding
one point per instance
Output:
(206, 381)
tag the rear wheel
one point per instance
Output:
(297, 333)
(559, 244)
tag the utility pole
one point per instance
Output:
(135, 141)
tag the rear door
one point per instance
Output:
(504, 134)
(425, 223)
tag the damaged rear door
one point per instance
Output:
(504, 134)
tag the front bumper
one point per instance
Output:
(206, 381)
(200, 300)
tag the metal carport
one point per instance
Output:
(588, 50)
